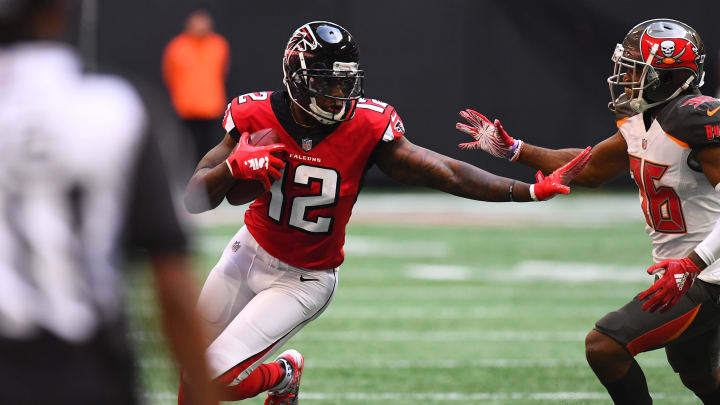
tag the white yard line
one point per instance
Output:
(473, 335)
(445, 312)
(160, 363)
(342, 311)
(528, 270)
(448, 396)
(364, 246)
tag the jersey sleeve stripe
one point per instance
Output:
(228, 122)
(371, 107)
(677, 141)
(388, 135)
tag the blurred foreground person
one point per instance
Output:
(80, 180)
(668, 139)
(280, 271)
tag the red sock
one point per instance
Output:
(262, 379)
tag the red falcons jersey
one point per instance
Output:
(302, 219)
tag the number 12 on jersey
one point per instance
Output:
(301, 205)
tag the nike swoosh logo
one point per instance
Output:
(303, 279)
(710, 113)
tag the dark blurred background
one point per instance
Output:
(540, 66)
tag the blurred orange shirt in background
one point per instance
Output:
(194, 69)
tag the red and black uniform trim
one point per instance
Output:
(691, 325)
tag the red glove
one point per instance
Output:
(490, 137)
(678, 278)
(256, 162)
(556, 183)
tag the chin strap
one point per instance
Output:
(648, 62)
(323, 116)
(640, 105)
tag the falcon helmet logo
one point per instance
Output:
(235, 246)
(302, 40)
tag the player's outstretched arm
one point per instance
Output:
(609, 158)
(678, 275)
(414, 165)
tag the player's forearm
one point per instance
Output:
(417, 166)
(549, 160)
(207, 188)
(183, 329)
(461, 179)
(471, 182)
(544, 159)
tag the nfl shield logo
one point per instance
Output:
(644, 143)
(306, 144)
(235, 246)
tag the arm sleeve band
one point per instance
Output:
(709, 248)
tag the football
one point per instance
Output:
(245, 191)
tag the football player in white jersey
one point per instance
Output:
(669, 140)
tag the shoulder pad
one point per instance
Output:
(239, 108)
(693, 119)
(383, 116)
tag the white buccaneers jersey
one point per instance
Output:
(680, 205)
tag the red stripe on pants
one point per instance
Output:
(662, 334)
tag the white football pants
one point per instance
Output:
(253, 303)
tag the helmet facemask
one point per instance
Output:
(626, 84)
(316, 75)
(343, 83)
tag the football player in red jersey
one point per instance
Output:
(669, 140)
(279, 272)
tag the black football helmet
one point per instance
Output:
(658, 60)
(321, 59)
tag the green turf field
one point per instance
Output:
(435, 314)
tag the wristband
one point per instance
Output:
(709, 248)
(532, 193)
(514, 152)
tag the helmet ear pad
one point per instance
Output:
(668, 81)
